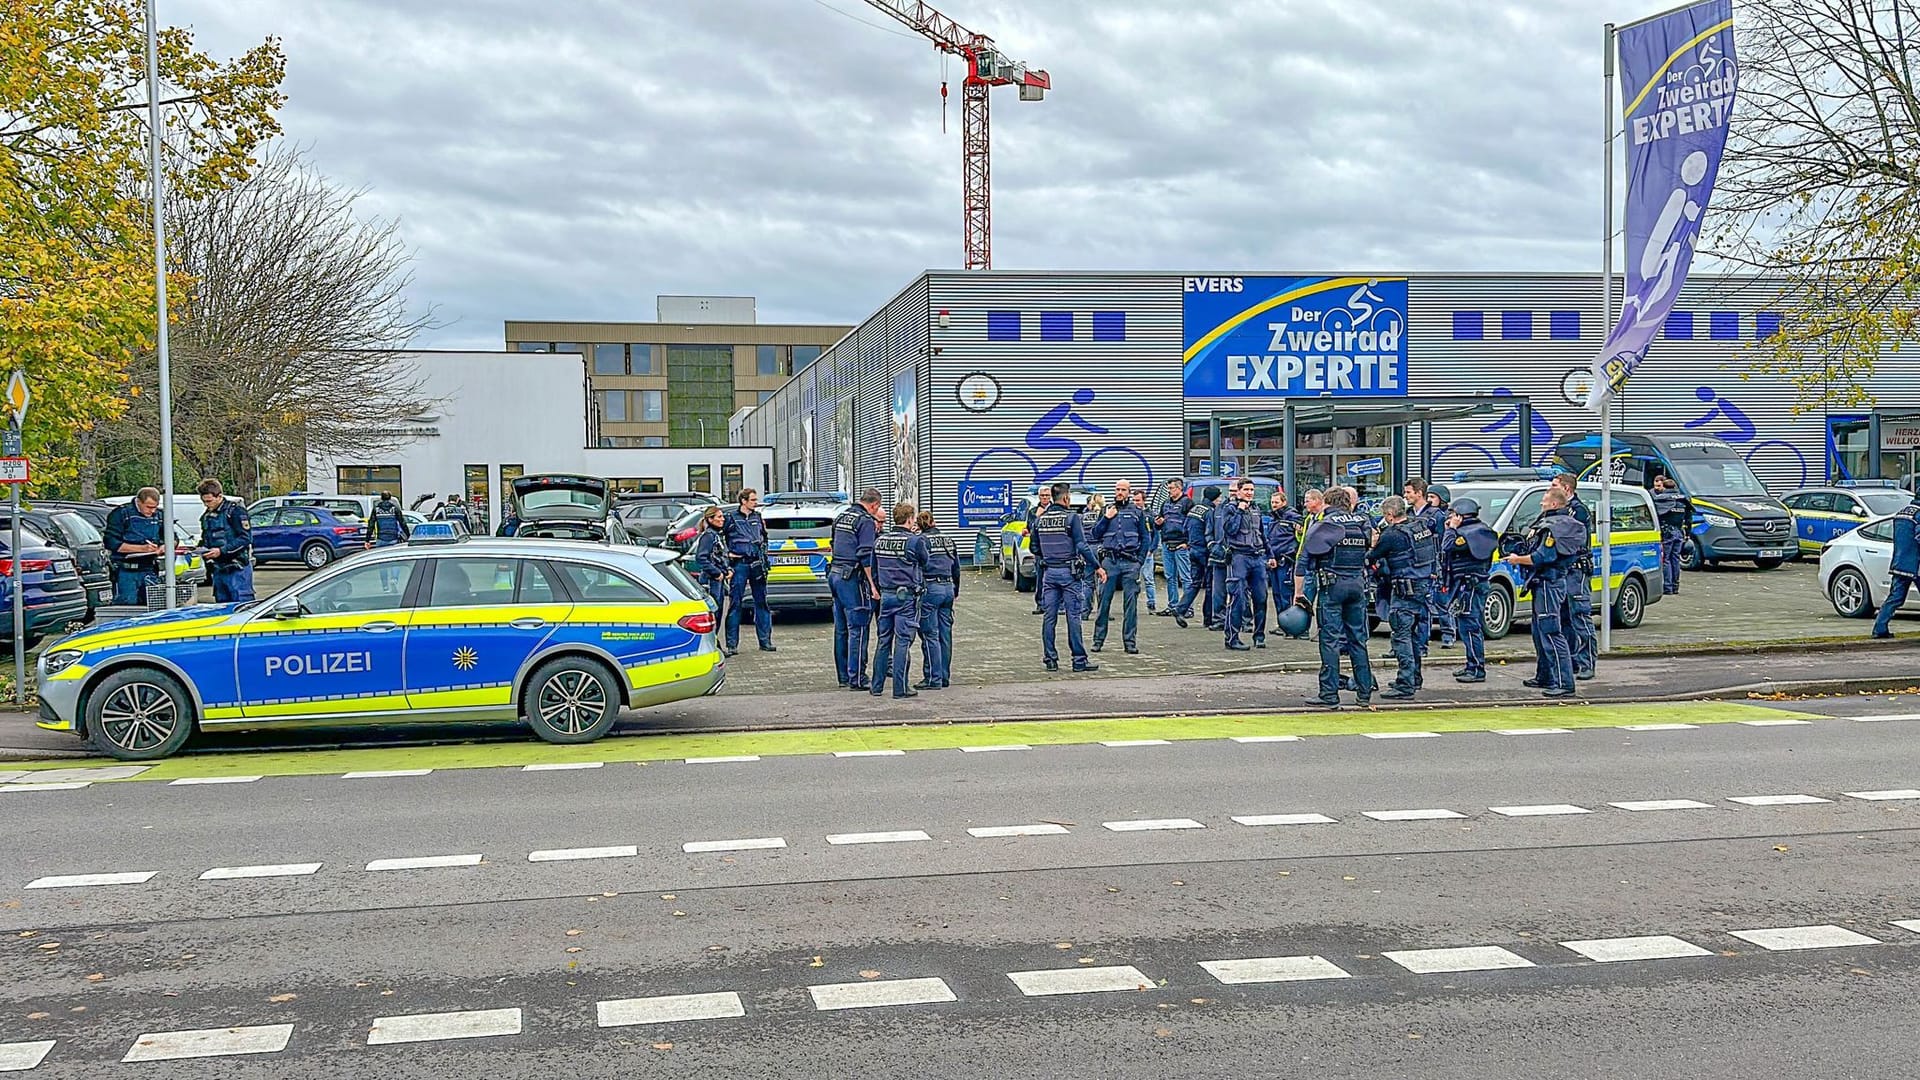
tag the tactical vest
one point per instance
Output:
(1461, 560)
(846, 537)
(1051, 537)
(1426, 543)
(1350, 551)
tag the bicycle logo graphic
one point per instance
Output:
(1739, 431)
(1509, 422)
(1044, 439)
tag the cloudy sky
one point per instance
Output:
(573, 158)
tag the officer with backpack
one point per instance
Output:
(1468, 562)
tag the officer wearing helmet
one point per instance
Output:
(1581, 635)
(1404, 550)
(1439, 605)
(1552, 555)
(1468, 556)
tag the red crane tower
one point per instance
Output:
(987, 67)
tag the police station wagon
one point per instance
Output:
(562, 635)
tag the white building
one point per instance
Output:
(501, 415)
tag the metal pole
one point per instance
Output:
(1605, 515)
(1289, 458)
(159, 178)
(19, 608)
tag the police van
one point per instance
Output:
(1734, 519)
(1510, 499)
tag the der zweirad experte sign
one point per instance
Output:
(1268, 337)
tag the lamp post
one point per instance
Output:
(158, 177)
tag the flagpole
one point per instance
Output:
(159, 179)
(1605, 516)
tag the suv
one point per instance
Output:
(358, 507)
(799, 549)
(1508, 507)
(1014, 553)
(650, 516)
(77, 533)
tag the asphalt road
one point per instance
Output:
(542, 952)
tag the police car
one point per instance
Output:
(799, 550)
(1508, 505)
(1014, 553)
(1824, 514)
(562, 635)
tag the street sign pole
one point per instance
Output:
(19, 606)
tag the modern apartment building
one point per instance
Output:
(675, 382)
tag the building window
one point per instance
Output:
(1679, 326)
(700, 478)
(732, 479)
(609, 359)
(476, 493)
(652, 405)
(1056, 326)
(613, 405)
(804, 355)
(653, 440)
(1003, 326)
(652, 485)
(640, 360)
(1724, 326)
(508, 474)
(533, 346)
(1109, 326)
(793, 476)
(1766, 324)
(770, 360)
(570, 346)
(368, 479)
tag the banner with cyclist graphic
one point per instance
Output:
(1269, 337)
(1677, 78)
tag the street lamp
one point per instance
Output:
(159, 180)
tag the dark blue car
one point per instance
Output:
(51, 583)
(304, 534)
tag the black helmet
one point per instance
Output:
(1439, 491)
(1295, 620)
(1466, 506)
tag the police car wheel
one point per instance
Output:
(571, 700)
(1692, 556)
(139, 714)
(1630, 606)
(316, 555)
(1496, 617)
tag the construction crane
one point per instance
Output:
(987, 67)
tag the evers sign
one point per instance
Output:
(1264, 337)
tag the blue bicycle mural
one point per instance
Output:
(1739, 431)
(1042, 439)
(1478, 456)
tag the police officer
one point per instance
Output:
(1551, 552)
(1152, 549)
(1170, 519)
(936, 606)
(1905, 566)
(1334, 554)
(1245, 543)
(1217, 560)
(1120, 535)
(509, 519)
(710, 563)
(1675, 512)
(900, 570)
(1063, 550)
(1043, 503)
(133, 545)
(1199, 517)
(386, 524)
(850, 576)
(1468, 561)
(1404, 549)
(1581, 637)
(1089, 517)
(747, 551)
(1439, 602)
(227, 534)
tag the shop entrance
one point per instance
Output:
(1874, 446)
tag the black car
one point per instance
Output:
(650, 516)
(74, 531)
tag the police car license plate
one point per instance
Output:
(790, 560)
(1771, 554)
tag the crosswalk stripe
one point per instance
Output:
(1777, 800)
(758, 844)
(1895, 716)
(1120, 744)
(1399, 734)
(671, 1009)
(1773, 723)
(1544, 810)
(1089, 980)
(1616, 950)
(1659, 727)
(873, 995)
(77, 881)
(1265, 969)
(1789, 938)
(225, 873)
(1265, 738)
(1284, 819)
(561, 766)
(868, 753)
(1883, 796)
(1662, 804)
(727, 759)
(901, 837)
(425, 862)
(1412, 815)
(1533, 731)
(1469, 958)
(994, 749)
(210, 1042)
(1151, 825)
(21, 1056)
(382, 774)
(1909, 924)
(992, 831)
(197, 781)
(64, 785)
(429, 1027)
(571, 854)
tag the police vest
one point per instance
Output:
(943, 557)
(1426, 543)
(746, 533)
(899, 560)
(1241, 530)
(1906, 541)
(1471, 553)
(1126, 532)
(1350, 551)
(139, 530)
(1400, 562)
(387, 523)
(216, 532)
(847, 530)
(1671, 508)
(1052, 538)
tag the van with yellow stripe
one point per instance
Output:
(561, 635)
(1510, 506)
(1734, 519)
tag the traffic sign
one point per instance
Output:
(10, 441)
(14, 470)
(1367, 467)
(18, 397)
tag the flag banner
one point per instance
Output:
(1677, 78)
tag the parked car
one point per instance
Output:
(649, 516)
(358, 507)
(799, 550)
(1856, 570)
(70, 530)
(834, 497)
(1823, 514)
(50, 582)
(683, 530)
(568, 507)
(308, 535)
(1014, 553)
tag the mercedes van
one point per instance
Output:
(1734, 519)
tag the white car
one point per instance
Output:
(1855, 570)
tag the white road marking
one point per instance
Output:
(873, 995)
(994, 749)
(869, 753)
(1151, 825)
(210, 1042)
(426, 862)
(71, 785)
(1266, 969)
(990, 831)
(672, 1009)
(1533, 731)
(1883, 796)
(381, 774)
(1777, 800)
(75, 881)
(1909, 924)
(104, 772)
(1470, 958)
(427, 1027)
(224, 873)
(196, 781)
(1787, 938)
(1615, 950)
(1658, 727)
(1895, 716)
(571, 854)
(1544, 810)
(1400, 735)
(758, 844)
(562, 766)
(8, 776)
(1123, 743)
(1091, 980)
(1284, 819)
(730, 758)
(21, 1056)
(901, 837)
(1412, 815)
(1773, 723)
(1662, 804)
(1265, 738)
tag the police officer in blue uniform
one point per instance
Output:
(1334, 553)
(1404, 553)
(900, 570)
(1280, 528)
(1171, 522)
(1439, 602)
(1551, 552)
(133, 546)
(1675, 512)
(850, 576)
(1468, 561)
(1199, 576)
(1089, 517)
(710, 563)
(1581, 636)
(1042, 503)
(1905, 566)
(386, 524)
(747, 551)
(1245, 543)
(227, 535)
(1121, 535)
(936, 606)
(1217, 559)
(1061, 550)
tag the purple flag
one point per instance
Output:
(1677, 77)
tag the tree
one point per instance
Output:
(1820, 188)
(76, 263)
(287, 328)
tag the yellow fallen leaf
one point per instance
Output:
(663, 1046)
(282, 999)
(574, 949)
(1779, 847)
(1197, 1001)
(50, 945)
(78, 1008)
(1179, 883)
(869, 974)
(573, 933)
(386, 993)
(679, 914)
(95, 977)
(609, 894)
(28, 933)
(1063, 944)
(1085, 960)
(38, 1015)
(668, 896)
(818, 961)
(1161, 1033)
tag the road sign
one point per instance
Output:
(18, 397)
(1372, 466)
(14, 470)
(10, 441)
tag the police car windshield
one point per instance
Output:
(1492, 500)
(1882, 503)
(1717, 476)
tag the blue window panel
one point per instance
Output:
(1003, 326)
(1564, 326)
(1516, 325)
(1679, 326)
(1724, 326)
(1469, 326)
(1056, 326)
(1766, 324)
(1109, 326)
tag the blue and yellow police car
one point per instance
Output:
(1823, 514)
(561, 635)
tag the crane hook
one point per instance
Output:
(943, 106)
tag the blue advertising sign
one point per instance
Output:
(1677, 77)
(1268, 337)
(984, 502)
(1372, 466)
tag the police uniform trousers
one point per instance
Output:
(1581, 637)
(899, 619)
(1439, 613)
(1083, 592)
(1469, 596)
(745, 579)
(716, 587)
(130, 586)
(1217, 598)
(1553, 657)
(1247, 586)
(1123, 575)
(1146, 576)
(936, 632)
(852, 617)
(1343, 620)
(1059, 591)
(1193, 573)
(1896, 596)
(232, 581)
(1671, 541)
(1406, 611)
